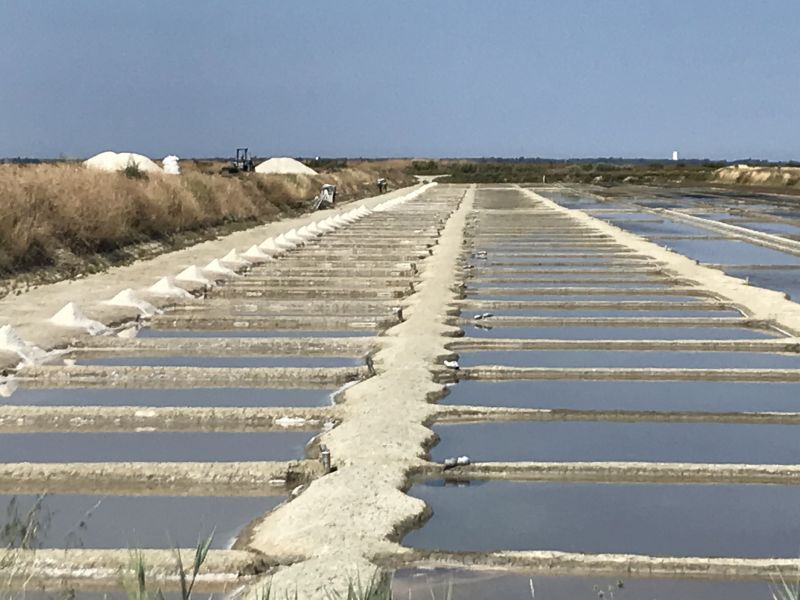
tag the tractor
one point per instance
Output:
(243, 163)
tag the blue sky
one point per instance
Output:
(560, 78)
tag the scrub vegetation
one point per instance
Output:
(603, 172)
(59, 215)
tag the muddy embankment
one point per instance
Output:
(61, 221)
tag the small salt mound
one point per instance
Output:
(271, 247)
(284, 166)
(171, 166)
(10, 341)
(128, 298)
(193, 276)
(72, 316)
(117, 161)
(166, 287)
(234, 260)
(255, 255)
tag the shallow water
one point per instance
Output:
(627, 216)
(781, 280)
(567, 277)
(781, 229)
(170, 397)
(544, 259)
(550, 270)
(433, 584)
(620, 333)
(149, 446)
(533, 296)
(682, 520)
(571, 441)
(601, 312)
(83, 521)
(229, 361)
(149, 332)
(630, 359)
(730, 252)
(670, 227)
(655, 285)
(704, 396)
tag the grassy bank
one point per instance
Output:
(55, 214)
(564, 171)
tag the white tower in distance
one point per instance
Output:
(674, 155)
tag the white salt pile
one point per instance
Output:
(71, 316)
(284, 166)
(171, 166)
(117, 161)
(11, 342)
(129, 299)
(166, 287)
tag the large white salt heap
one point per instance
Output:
(118, 161)
(284, 166)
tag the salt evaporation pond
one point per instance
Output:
(91, 521)
(702, 396)
(578, 441)
(200, 397)
(654, 519)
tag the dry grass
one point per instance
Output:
(47, 210)
(762, 176)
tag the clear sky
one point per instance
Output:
(556, 78)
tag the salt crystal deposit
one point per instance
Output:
(326, 226)
(271, 247)
(193, 276)
(292, 237)
(217, 269)
(72, 316)
(314, 228)
(171, 166)
(7, 387)
(283, 243)
(166, 287)
(306, 234)
(256, 255)
(284, 166)
(397, 201)
(233, 260)
(128, 298)
(10, 341)
(118, 161)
